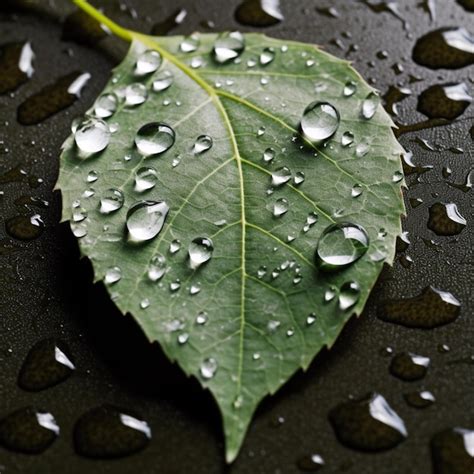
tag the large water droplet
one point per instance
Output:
(154, 138)
(368, 424)
(228, 46)
(280, 207)
(341, 245)
(200, 251)
(92, 135)
(320, 121)
(145, 179)
(145, 220)
(208, 368)
(409, 367)
(106, 105)
(281, 176)
(370, 105)
(111, 201)
(202, 144)
(348, 295)
(156, 268)
(162, 81)
(445, 219)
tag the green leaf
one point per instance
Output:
(259, 326)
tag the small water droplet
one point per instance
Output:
(145, 220)
(162, 81)
(135, 94)
(145, 303)
(175, 285)
(189, 44)
(445, 219)
(281, 176)
(148, 62)
(175, 246)
(111, 201)
(310, 463)
(347, 139)
(92, 135)
(350, 88)
(145, 179)
(419, 398)
(397, 176)
(195, 289)
(92, 176)
(298, 178)
(409, 367)
(370, 105)
(290, 332)
(208, 368)
(201, 318)
(228, 46)
(348, 295)
(202, 144)
(280, 207)
(267, 56)
(106, 105)
(330, 294)
(320, 121)
(356, 190)
(269, 155)
(154, 138)
(156, 268)
(311, 319)
(362, 149)
(200, 251)
(113, 275)
(183, 338)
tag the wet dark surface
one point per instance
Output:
(46, 291)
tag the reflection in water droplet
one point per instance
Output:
(320, 121)
(156, 268)
(202, 144)
(445, 219)
(228, 46)
(92, 135)
(145, 179)
(162, 81)
(447, 101)
(281, 176)
(259, 12)
(370, 105)
(154, 138)
(111, 201)
(341, 245)
(135, 94)
(110, 432)
(106, 105)
(430, 309)
(409, 367)
(348, 295)
(148, 62)
(280, 207)
(368, 424)
(48, 363)
(452, 451)
(28, 430)
(208, 368)
(419, 399)
(112, 275)
(447, 48)
(200, 251)
(145, 220)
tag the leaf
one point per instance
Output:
(259, 326)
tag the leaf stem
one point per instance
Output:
(116, 29)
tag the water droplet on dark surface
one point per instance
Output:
(48, 363)
(388, 6)
(445, 219)
(340, 245)
(447, 101)
(259, 13)
(25, 227)
(452, 451)
(28, 430)
(15, 65)
(429, 6)
(320, 121)
(145, 220)
(310, 463)
(445, 48)
(82, 29)
(419, 399)
(430, 309)
(110, 432)
(393, 96)
(330, 12)
(50, 100)
(409, 367)
(368, 424)
(172, 21)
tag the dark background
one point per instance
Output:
(46, 291)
